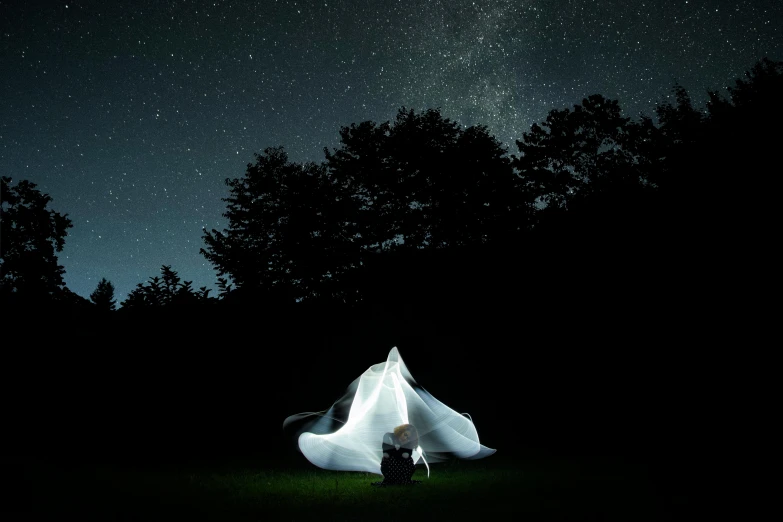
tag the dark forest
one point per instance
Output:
(569, 291)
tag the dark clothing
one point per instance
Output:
(397, 470)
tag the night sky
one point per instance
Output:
(131, 114)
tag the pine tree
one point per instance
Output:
(103, 296)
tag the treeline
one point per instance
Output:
(424, 214)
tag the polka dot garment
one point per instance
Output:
(398, 468)
(397, 462)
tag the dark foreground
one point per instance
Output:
(542, 488)
(592, 420)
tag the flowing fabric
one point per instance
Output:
(349, 435)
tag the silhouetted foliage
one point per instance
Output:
(314, 231)
(589, 169)
(31, 237)
(645, 231)
(224, 288)
(283, 229)
(103, 296)
(424, 182)
(165, 291)
(758, 95)
(717, 164)
(624, 194)
(423, 215)
(745, 133)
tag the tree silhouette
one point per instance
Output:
(425, 182)
(416, 184)
(759, 92)
(576, 153)
(103, 296)
(396, 203)
(744, 132)
(716, 164)
(31, 237)
(165, 291)
(421, 184)
(285, 232)
(590, 172)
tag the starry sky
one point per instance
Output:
(131, 114)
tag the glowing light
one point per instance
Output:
(384, 396)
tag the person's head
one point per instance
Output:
(407, 435)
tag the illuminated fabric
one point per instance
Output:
(349, 435)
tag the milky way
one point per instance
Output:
(132, 114)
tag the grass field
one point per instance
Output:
(491, 489)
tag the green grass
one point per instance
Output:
(492, 489)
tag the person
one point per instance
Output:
(348, 435)
(397, 464)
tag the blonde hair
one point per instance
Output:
(406, 427)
